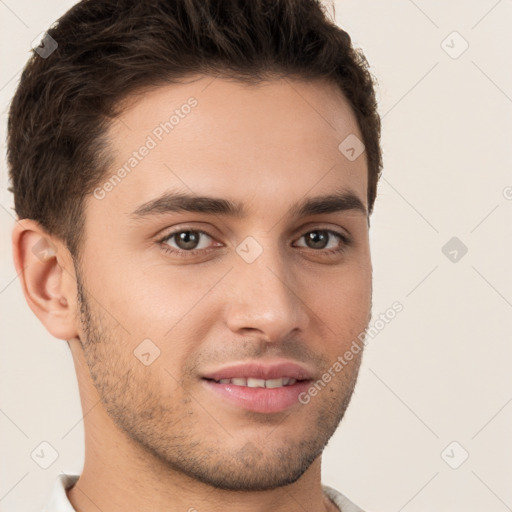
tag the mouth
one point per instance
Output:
(255, 387)
(258, 383)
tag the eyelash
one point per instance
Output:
(194, 252)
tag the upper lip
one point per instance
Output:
(259, 370)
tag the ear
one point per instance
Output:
(45, 268)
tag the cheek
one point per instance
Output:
(169, 308)
(343, 301)
(351, 277)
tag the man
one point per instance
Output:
(193, 182)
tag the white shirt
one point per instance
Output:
(59, 501)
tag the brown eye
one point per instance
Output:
(186, 241)
(319, 239)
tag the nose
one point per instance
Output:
(265, 296)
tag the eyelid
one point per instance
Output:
(319, 226)
(345, 239)
(181, 229)
(300, 232)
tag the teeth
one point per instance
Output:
(274, 383)
(259, 383)
(256, 383)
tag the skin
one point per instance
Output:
(155, 437)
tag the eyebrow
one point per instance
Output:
(185, 202)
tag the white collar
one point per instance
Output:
(59, 501)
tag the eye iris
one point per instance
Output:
(190, 239)
(317, 237)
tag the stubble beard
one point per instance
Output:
(172, 431)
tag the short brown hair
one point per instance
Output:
(108, 49)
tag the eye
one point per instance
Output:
(320, 239)
(191, 242)
(188, 242)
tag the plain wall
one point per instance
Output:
(437, 373)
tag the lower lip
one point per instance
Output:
(264, 400)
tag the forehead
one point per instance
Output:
(212, 136)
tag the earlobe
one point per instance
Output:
(45, 270)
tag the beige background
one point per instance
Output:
(440, 371)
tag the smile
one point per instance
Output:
(259, 383)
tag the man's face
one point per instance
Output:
(265, 287)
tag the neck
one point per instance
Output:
(116, 490)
